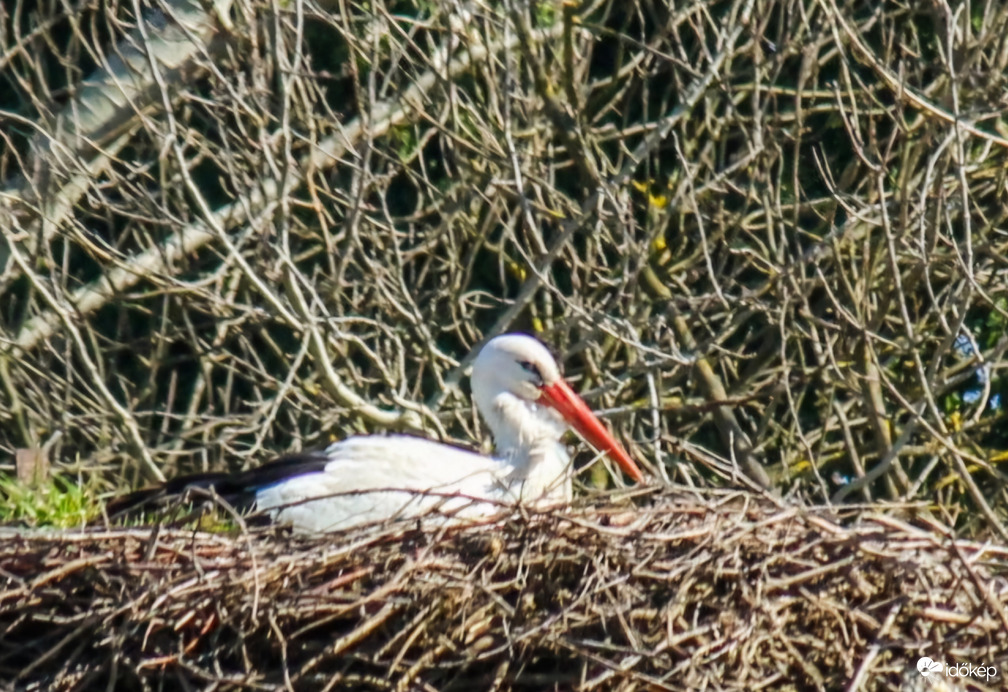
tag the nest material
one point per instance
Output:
(722, 593)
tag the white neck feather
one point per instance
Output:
(528, 436)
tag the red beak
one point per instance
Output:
(575, 411)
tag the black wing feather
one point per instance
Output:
(238, 489)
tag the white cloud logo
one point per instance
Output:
(926, 666)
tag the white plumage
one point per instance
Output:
(376, 478)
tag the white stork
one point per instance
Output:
(528, 406)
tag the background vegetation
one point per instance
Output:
(767, 236)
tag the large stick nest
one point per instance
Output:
(727, 592)
(764, 230)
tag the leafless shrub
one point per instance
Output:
(770, 232)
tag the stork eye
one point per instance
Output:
(531, 368)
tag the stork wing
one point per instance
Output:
(376, 478)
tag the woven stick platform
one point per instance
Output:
(726, 592)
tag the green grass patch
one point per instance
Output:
(58, 502)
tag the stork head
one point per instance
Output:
(514, 363)
(516, 382)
